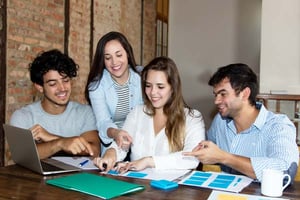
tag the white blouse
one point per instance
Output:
(145, 143)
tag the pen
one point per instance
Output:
(104, 165)
(83, 163)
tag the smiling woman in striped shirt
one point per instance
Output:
(113, 87)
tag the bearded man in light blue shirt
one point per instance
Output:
(244, 137)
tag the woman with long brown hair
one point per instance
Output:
(162, 128)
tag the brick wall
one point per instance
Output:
(79, 44)
(34, 25)
(31, 27)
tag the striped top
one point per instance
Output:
(270, 142)
(122, 108)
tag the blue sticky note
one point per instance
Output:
(163, 184)
(136, 174)
(113, 172)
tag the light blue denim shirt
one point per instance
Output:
(270, 142)
(104, 101)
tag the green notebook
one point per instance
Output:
(96, 185)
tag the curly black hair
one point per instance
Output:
(52, 60)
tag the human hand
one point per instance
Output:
(107, 162)
(136, 165)
(207, 152)
(77, 146)
(41, 134)
(123, 140)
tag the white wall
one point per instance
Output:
(207, 34)
(280, 46)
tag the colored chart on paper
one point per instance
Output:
(220, 181)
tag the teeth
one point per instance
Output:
(62, 94)
(220, 107)
(116, 67)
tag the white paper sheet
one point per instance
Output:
(76, 160)
(221, 195)
(154, 174)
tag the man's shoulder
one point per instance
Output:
(23, 116)
(278, 118)
(270, 120)
(29, 108)
(219, 123)
(79, 106)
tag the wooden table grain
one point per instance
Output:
(19, 183)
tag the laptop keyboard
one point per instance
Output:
(47, 167)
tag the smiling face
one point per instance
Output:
(116, 61)
(56, 90)
(157, 88)
(228, 103)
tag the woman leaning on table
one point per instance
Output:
(161, 128)
(113, 87)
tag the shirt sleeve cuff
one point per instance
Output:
(121, 154)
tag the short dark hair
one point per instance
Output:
(52, 60)
(240, 76)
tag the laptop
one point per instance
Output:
(24, 152)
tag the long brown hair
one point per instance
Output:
(174, 108)
(98, 65)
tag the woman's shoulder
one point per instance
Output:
(106, 80)
(135, 76)
(193, 115)
(139, 108)
(192, 112)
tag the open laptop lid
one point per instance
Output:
(24, 152)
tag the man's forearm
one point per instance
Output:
(47, 149)
(239, 163)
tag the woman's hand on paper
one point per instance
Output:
(107, 162)
(137, 165)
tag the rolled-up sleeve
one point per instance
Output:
(281, 150)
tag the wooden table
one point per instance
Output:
(19, 183)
